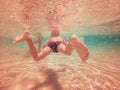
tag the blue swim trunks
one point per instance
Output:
(54, 45)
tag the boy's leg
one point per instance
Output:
(65, 49)
(81, 49)
(34, 51)
(26, 36)
(43, 53)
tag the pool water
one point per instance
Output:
(18, 71)
(95, 22)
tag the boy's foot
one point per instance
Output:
(81, 49)
(85, 56)
(22, 37)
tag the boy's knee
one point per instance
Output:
(73, 38)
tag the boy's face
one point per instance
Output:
(55, 31)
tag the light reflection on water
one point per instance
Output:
(60, 72)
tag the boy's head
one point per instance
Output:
(55, 30)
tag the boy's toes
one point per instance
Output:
(14, 42)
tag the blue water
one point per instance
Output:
(102, 40)
(89, 40)
(100, 72)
